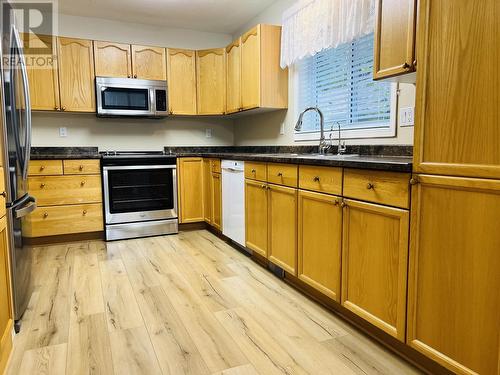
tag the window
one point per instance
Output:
(339, 82)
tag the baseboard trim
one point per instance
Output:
(47, 240)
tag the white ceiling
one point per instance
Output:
(220, 16)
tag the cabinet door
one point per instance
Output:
(454, 278)
(256, 216)
(374, 264)
(112, 59)
(43, 79)
(6, 320)
(319, 242)
(216, 201)
(207, 190)
(149, 62)
(233, 70)
(181, 77)
(250, 68)
(190, 180)
(76, 74)
(394, 49)
(457, 106)
(283, 227)
(211, 81)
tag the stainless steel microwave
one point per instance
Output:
(131, 97)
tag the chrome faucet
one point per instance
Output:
(342, 147)
(324, 145)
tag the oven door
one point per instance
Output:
(123, 100)
(139, 193)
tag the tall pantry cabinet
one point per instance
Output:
(454, 263)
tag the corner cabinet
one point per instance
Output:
(453, 297)
(181, 77)
(211, 81)
(395, 34)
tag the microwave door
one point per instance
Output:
(124, 101)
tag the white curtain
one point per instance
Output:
(310, 26)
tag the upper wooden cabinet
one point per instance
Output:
(181, 77)
(233, 77)
(395, 29)
(457, 128)
(76, 74)
(149, 62)
(263, 83)
(112, 59)
(190, 181)
(453, 297)
(211, 81)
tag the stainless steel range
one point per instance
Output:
(140, 194)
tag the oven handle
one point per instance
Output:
(131, 167)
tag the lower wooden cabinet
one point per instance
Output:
(6, 318)
(256, 216)
(374, 264)
(216, 218)
(207, 190)
(190, 179)
(320, 241)
(283, 227)
(454, 273)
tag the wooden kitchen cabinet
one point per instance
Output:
(263, 83)
(395, 34)
(320, 242)
(76, 74)
(256, 216)
(211, 81)
(283, 227)
(149, 62)
(374, 264)
(233, 77)
(453, 298)
(181, 77)
(457, 111)
(190, 180)
(216, 218)
(6, 312)
(207, 190)
(112, 59)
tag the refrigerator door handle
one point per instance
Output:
(28, 206)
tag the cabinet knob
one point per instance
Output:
(63, 108)
(370, 186)
(413, 181)
(82, 183)
(406, 66)
(253, 171)
(135, 75)
(128, 75)
(280, 174)
(414, 63)
(316, 178)
(4, 194)
(84, 212)
(57, 108)
(42, 167)
(263, 186)
(268, 187)
(336, 202)
(343, 204)
(80, 167)
(45, 215)
(42, 185)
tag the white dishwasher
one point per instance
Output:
(233, 200)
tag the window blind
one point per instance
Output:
(339, 82)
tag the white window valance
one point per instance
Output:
(311, 26)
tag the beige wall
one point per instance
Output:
(132, 134)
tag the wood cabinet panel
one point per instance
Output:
(215, 166)
(45, 167)
(82, 166)
(320, 242)
(216, 219)
(256, 216)
(2, 192)
(57, 190)
(76, 74)
(207, 190)
(282, 174)
(394, 49)
(256, 171)
(250, 68)
(190, 181)
(453, 298)
(233, 77)
(374, 264)
(321, 179)
(181, 77)
(211, 81)
(6, 318)
(112, 59)
(283, 227)
(457, 111)
(149, 62)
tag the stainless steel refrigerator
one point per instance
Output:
(16, 125)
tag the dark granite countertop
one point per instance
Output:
(38, 153)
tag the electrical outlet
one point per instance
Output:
(63, 131)
(208, 133)
(407, 116)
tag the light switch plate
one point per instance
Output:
(208, 133)
(407, 116)
(63, 131)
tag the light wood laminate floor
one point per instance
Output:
(180, 304)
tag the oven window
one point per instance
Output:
(125, 98)
(140, 190)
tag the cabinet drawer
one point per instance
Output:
(390, 188)
(215, 165)
(84, 166)
(322, 179)
(45, 167)
(256, 171)
(2, 191)
(56, 190)
(52, 221)
(282, 174)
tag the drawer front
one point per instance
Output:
(45, 167)
(57, 190)
(215, 165)
(57, 220)
(84, 166)
(390, 188)
(2, 192)
(282, 174)
(321, 179)
(256, 171)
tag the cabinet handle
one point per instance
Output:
(82, 183)
(80, 167)
(253, 171)
(45, 215)
(316, 178)
(370, 186)
(42, 185)
(84, 212)
(280, 174)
